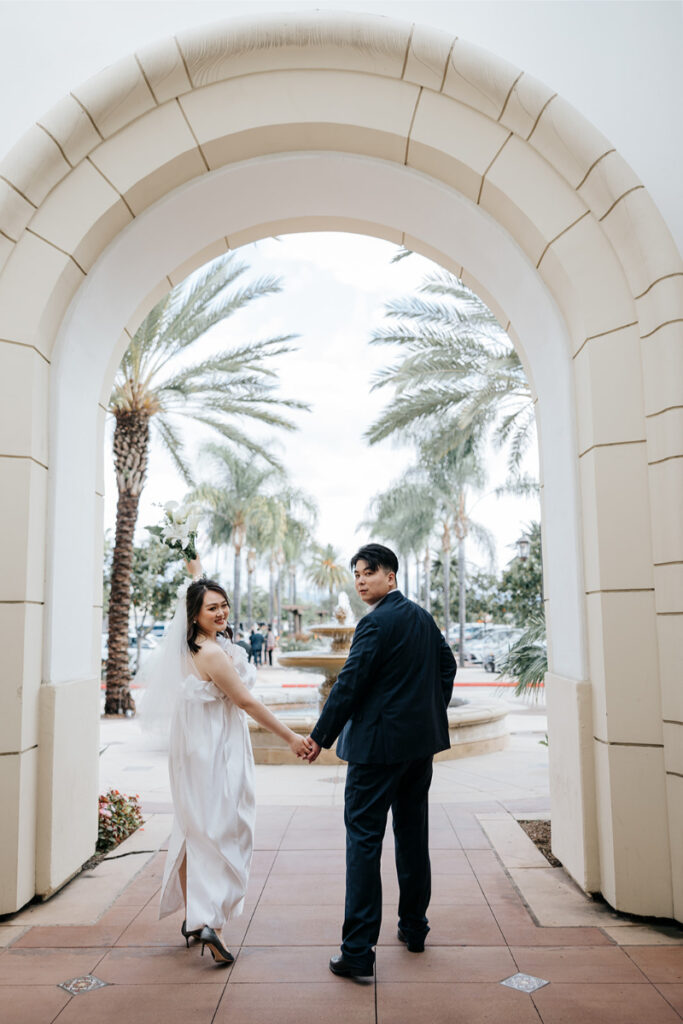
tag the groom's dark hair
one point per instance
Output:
(377, 556)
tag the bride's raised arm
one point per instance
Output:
(194, 567)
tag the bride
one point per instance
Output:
(199, 693)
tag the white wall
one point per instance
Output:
(618, 62)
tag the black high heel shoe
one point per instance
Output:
(218, 951)
(189, 935)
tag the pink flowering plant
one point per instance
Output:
(118, 816)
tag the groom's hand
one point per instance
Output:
(315, 749)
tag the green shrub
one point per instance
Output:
(527, 659)
(118, 817)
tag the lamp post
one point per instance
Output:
(523, 545)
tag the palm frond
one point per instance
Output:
(527, 659)
(230, 432)
(519, 486)
(456, 369)
(173, 445)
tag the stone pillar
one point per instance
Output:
(23, 484)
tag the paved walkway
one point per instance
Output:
(490, 890)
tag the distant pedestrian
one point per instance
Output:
(270, 643)
(256, 640)
(241, 642)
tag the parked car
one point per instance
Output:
(148, 644)
(473, 630)
(490, 651)
(490, 645)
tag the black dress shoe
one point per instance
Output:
(341, 967)
(414, 945)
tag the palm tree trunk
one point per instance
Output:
(251, 565)
(279, 598)
(237, 589)
(406, 590)
(131, 446)
(250, 597)
(271, 590)
(428, 580)
(461, 596)
(446, 558)
(331, 599)
(292, 593)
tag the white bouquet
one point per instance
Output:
(179, 529)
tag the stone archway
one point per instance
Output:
(354, 123)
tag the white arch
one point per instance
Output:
(305, 189)
(430, 105)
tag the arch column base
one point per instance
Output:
(68, 781)
(572, 779)
(18, 791)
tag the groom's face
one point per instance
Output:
(372, 584)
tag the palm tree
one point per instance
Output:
(229, 505)
(156, 383)
(453, 479)
(301, 514)
(267, 526)
(456, 371)
(325, 571)
(251, 567)
(404, 515)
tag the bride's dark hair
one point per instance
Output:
(194, 601)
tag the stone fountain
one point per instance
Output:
(329, 663)
(473, 728)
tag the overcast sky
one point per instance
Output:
(335, 288)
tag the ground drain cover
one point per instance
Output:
(87, 983)
(525, 982)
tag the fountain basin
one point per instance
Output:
(314, 661)
(473, 729)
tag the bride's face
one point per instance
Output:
(213, 616)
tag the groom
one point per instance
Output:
(389, 704)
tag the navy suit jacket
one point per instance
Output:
(389, 701)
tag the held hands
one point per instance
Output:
(300, 746)
(304, 747)
(314, 749)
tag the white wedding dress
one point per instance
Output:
(211, 769)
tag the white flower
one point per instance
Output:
(173, 531)
(169, 506)
(192, 522)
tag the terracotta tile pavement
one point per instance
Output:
(481, 933)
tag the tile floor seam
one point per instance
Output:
(657, 986)
(256, 905)
(488, 904)
(61, 1011)
(627, 951)
(533, 1003)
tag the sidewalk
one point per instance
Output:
(498, 910)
